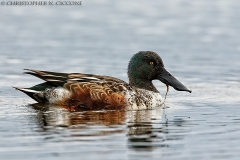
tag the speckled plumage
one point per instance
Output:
(102, 92)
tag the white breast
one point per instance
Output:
(143, 99)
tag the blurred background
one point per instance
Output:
(199, 42)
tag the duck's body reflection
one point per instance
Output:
(60, 116)
(55, 116)
(144, 128)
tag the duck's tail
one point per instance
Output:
(36, 95)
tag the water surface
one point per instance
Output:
(198, 41)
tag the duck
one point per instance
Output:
(98, 92)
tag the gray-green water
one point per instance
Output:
(198, 41)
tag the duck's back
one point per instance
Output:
(76, 89)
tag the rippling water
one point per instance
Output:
(198, 41)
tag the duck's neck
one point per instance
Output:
(143, 84)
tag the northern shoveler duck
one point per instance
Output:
(105, 92)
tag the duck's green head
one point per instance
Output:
(146, 66)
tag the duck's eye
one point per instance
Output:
(151, 63)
